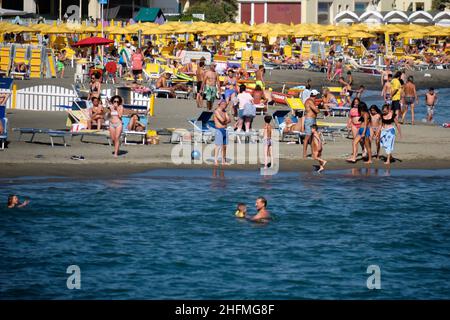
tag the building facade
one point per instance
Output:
(317, 11)
(51, 9)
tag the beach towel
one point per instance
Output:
(387, 140)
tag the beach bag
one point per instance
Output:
(249, 110)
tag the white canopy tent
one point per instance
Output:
(346, 17)
(442, 19)
(371, 17)
(396, 17)
(420, 17)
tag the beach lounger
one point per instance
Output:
(92, 133)
(4, 135)
(51, 133)
(32, 131)
(126, 133)
(279, 118)
(204, 126)
(341, 111)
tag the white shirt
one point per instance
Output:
(244, 98)
(305, 95)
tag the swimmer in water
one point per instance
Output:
(13, 202)
(263, 215)
(241, 210)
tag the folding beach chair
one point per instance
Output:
(279, 118)
(296, 105)
(204, 126)
(141, 134)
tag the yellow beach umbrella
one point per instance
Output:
(411, 35)
(361, 35)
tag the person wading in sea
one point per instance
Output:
(263, 215)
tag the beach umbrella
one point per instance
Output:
(411, 35)
(439, 33)
(20, 29)
(361, 35)
(93, 41)
(333, 34)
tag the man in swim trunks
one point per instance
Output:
(210, 86)
(311, 112)
(263, 215)
(409, 99)
(221, 120)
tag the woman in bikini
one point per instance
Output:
(363, 134)
(375, 127)
(388, 132)
(230, 87)
(115, 123)
(94, 86)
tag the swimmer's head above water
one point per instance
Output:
(241, 210)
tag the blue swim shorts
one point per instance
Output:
(221, 137)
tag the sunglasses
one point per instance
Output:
(116, 101)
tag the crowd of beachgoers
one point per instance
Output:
(238, 92)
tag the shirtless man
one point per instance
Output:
(221, 120)
(263, 215)
(161, 83)
(329, 100)
(311, 112)
(430, 101)
(200, 75)
(210, 86)
(410, 96)
(386, 92)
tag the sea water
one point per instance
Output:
(172, 234)
(441, 110)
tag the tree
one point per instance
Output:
(215, 10)
(440, 4)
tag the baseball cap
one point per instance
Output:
(314, 92)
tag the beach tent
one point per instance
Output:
(347, 17)
(371, 17)
(442, 19)
(421, 17)
(150, 15)
(396, 17)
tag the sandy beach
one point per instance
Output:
(421, 146)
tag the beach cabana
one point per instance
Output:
(442, 19)
(347, 17)
(371, 17)
(396, 17)
(420, 17)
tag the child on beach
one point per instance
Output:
(375, 126)
(241, 210)
(430, 101)
(316, 144)
(267, 141)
